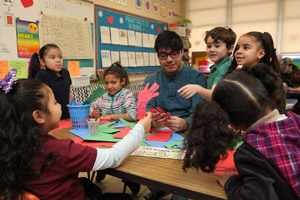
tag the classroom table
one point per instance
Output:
(287, 91)
(163, 174)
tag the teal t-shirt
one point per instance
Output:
(169, 100)
(217, 72)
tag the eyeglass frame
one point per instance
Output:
(169, 54)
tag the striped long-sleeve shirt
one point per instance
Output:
(120, 103)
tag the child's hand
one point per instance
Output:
(158, 119)
(189, 90)
(96, 113)
(146, 122)
(224, 177)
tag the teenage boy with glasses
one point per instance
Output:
(170, 78)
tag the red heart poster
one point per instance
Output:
(27, 3)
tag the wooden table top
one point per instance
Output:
(163, 174)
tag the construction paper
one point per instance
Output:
(177, 144)
(4, 68)
(103, 128)
(226, 165)
(103, 121)
(123, 133)
(239, 143)
(144, 144)
(64, 124)
(160, 135)
(129, 124)
(105, 137)
(144, 96)
(80, 132)
(119, 124)
(108, 130)
(175, 137)
(92, 144)
(95, 95)
(74, 68)
(106, 124)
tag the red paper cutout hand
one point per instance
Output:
(144, 96)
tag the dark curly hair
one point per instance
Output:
(119, 71)
(240, 99)
(266, 42)
(21, 139)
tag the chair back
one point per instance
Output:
(27, 196)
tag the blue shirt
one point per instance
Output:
(169, 99)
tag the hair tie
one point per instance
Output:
(114, 65)
(8, 80)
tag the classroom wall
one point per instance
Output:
(281, 18)
(8, 40)
(76, 9)
(179, 8)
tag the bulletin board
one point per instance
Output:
(113, 21)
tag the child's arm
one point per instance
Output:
(116, 116)
(70, 97)
(224, 177)
(190, 90)
(294, 88)
(94, 112)
(108, 158)
(130, 106)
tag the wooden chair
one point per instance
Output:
(27, 196)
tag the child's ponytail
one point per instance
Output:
(34, 66)
(209, 137)
(271, 82)
(270, 58)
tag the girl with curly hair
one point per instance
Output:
(33, 161)
(268, 161)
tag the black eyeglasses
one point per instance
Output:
(164, 55)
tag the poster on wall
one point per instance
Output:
(27, 38)
(138, 4)
(8, 2)
(155, 7)
(148, 2)
(9, 19)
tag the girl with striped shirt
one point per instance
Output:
(118, 102)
